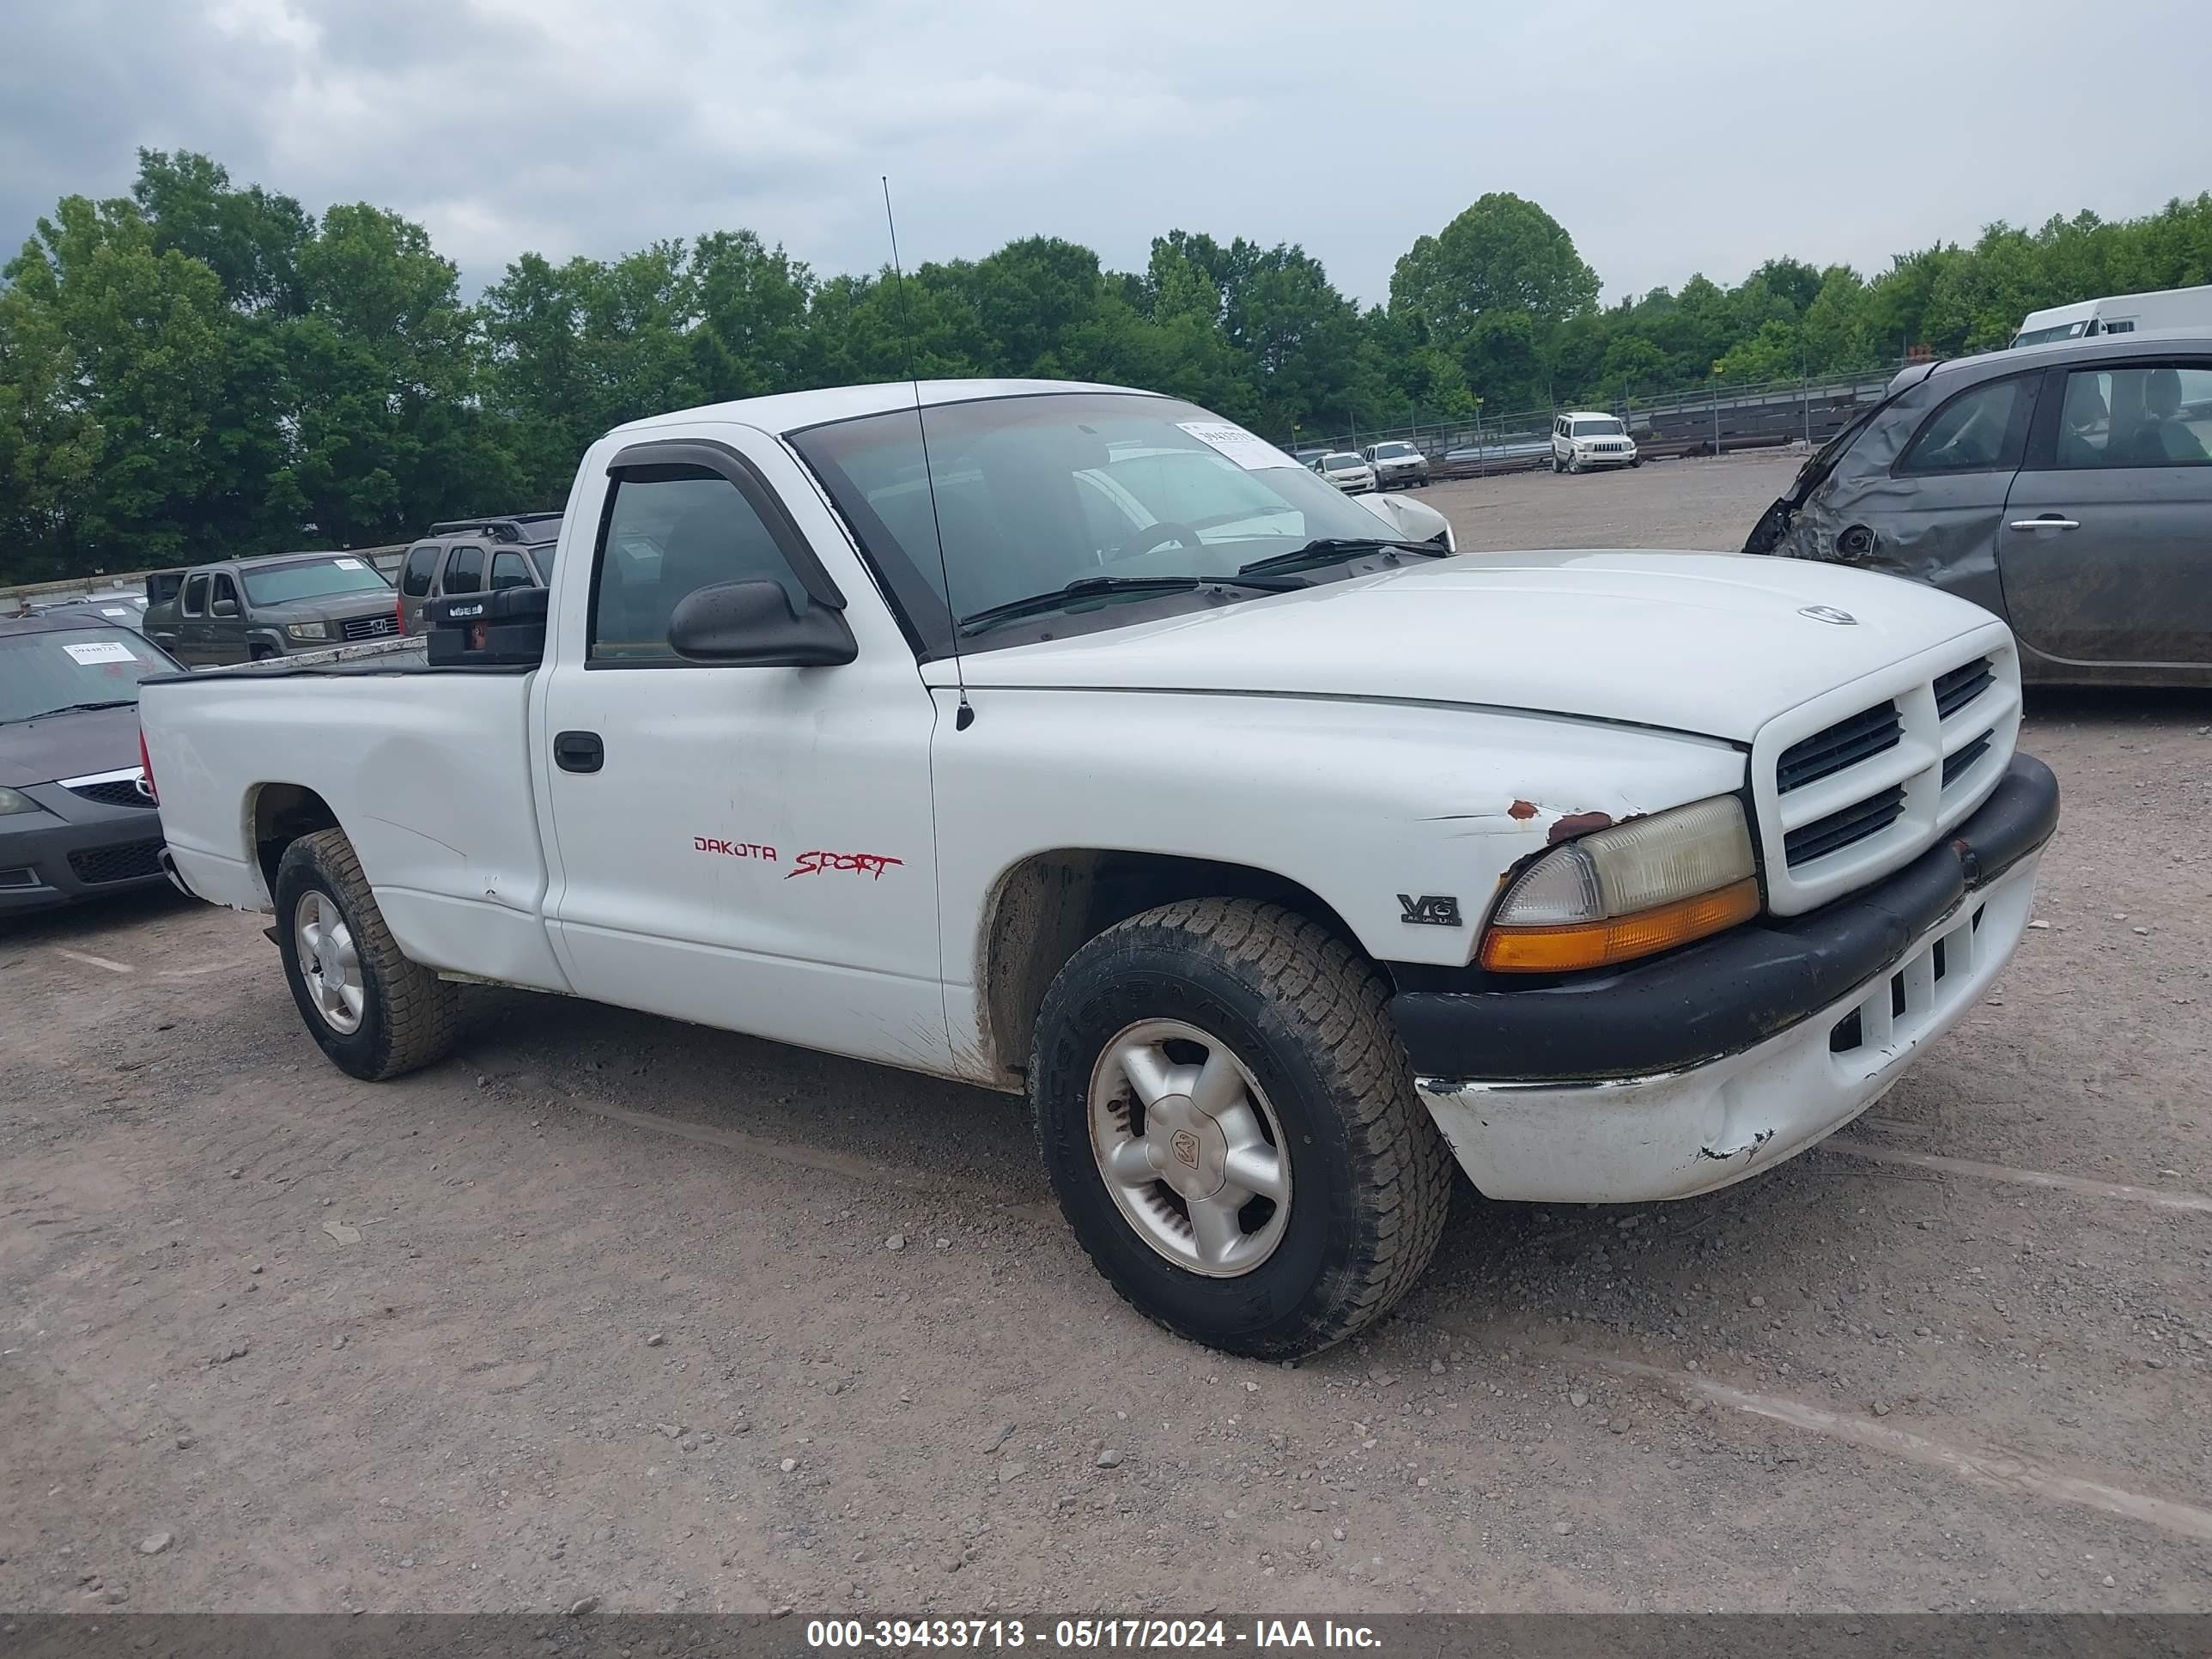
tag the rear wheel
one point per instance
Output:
(372, 1010)
(1230, 1127)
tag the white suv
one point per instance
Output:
(1583, 439)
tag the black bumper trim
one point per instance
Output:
(1732, 991)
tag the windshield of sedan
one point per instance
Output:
(1342, 462)
(67, 668)
(1034, 493)
(317, 579)
(1605, 429)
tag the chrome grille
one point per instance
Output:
(1955, 690)
(1858, 782)
(1960, 761)
(1832, 748)
(369, 627)
(113, 791)
(1837, 830)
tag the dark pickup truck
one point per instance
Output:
(251, 610)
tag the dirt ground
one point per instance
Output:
(610, 1307)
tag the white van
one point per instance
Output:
(2122, 314)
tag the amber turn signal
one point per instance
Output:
(1565, 948)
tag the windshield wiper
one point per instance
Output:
(72, 708)
(1328, 549)
(1087, 587)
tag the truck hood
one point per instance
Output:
(68, 747)
(1712, 643)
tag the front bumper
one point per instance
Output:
(1401, 474)
(1698, 1070)
(47, 859)
(1606, 458)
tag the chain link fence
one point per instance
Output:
(1707, 420)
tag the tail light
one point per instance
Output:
(399, 614)
(146, 765)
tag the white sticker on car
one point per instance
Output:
(347, 564)
(114, 610)
(1253, 454)
(100, 651)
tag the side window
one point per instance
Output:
(2128, 326)
(465, 571)
(196, 597)
(224, 589)
(1978, 431)
(2154, 416)
(415, 575)
(668, 531)
(508, 570)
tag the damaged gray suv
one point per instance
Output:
(2067, 488)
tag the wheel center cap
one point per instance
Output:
(1186, 1147)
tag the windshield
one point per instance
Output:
(1600, 428)
(45, 673)
(2044, 336)
(315, 580)
(543, 558)
(1392, 452)
(1342, 462)
(1034, 493)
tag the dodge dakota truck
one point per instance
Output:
(1069, 740)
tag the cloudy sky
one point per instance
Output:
(1668, 138)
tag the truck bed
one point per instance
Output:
(409, 655)
(428, 769)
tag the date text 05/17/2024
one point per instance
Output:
(1085, 1634)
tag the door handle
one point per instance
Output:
(579, 751)
(2049, 521)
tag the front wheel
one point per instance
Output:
(372, 1010)
(1230, 1124)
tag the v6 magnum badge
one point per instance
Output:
(1430, 910)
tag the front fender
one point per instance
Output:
(1404, 818)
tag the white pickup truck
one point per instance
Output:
(1099, 749)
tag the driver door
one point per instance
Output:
(225, 622)
(749, 848)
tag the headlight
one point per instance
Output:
(1643, 886)
(12, 801)
(320, 630)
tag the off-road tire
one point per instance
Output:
(410, 1017)
(1370, 1175)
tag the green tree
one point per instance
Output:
(114, 359)
(1502, 254)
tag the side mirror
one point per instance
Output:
(751, 624)
(223, 608)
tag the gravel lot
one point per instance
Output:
(611, 1307)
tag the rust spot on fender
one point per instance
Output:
(1578, 823)
(1523, 809)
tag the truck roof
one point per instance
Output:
(793, 411)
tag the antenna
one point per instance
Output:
(964, 716)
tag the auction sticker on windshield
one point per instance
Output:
(100, 651)
(347, 564)
(1253, 454)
